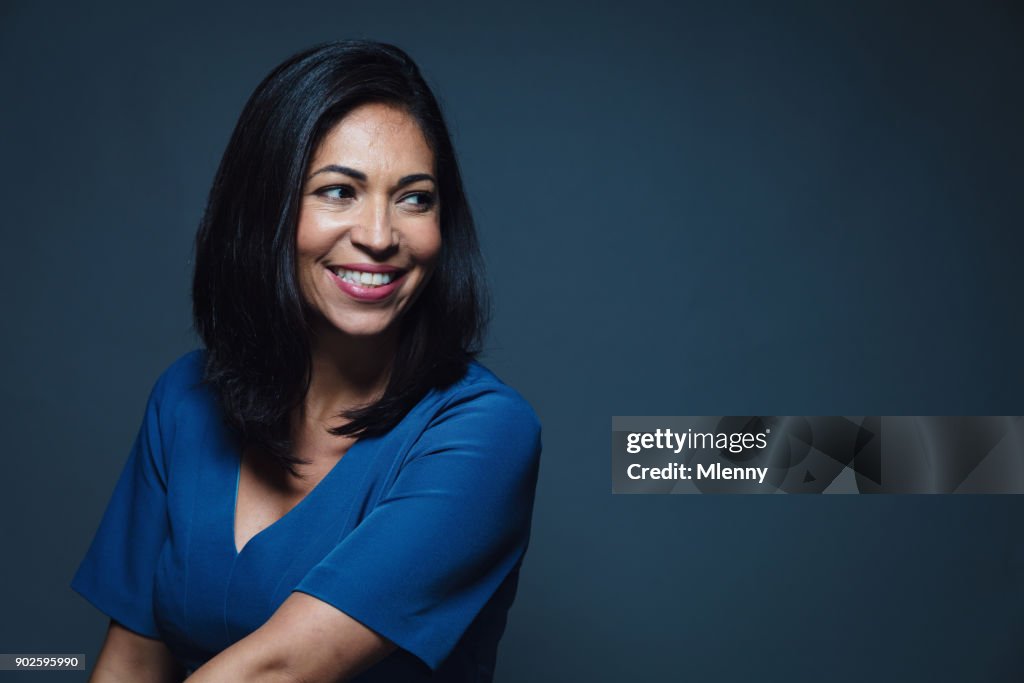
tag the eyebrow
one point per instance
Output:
(359, 175)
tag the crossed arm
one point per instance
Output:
(126, 657)
(305, 641)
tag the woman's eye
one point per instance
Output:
(421, 201)
(337, 192)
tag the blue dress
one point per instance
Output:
(418, 534)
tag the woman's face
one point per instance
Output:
(369, 229)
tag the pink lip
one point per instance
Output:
(366, 293)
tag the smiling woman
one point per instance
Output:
(370, 219)
(332, 488)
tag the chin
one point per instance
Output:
(362, 330)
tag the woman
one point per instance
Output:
(332, 488)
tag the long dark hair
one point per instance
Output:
(247, 305)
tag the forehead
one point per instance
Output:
(376, 136)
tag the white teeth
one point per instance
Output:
(364, 279)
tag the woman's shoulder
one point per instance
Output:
(180, 383)
(480, 395)
(479, 414)
(188, 367)
(482, 392)
(183, 373)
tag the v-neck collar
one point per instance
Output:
(283, 520)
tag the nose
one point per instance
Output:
(374, 232)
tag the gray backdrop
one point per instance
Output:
(687, 209)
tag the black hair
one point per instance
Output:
(247, 304)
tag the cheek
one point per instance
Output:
(309, 246)
(310, 236)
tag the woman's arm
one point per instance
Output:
(305, 641)
(127, 657)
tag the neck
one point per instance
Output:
(346, 372)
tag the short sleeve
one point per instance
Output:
(116, 574)
(424, 562)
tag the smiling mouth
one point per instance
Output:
(361, 278)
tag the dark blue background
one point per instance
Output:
(687, 209)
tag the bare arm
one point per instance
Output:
(127, 657)
(305, 641)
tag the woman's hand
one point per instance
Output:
(305, 641)
(127, 657)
